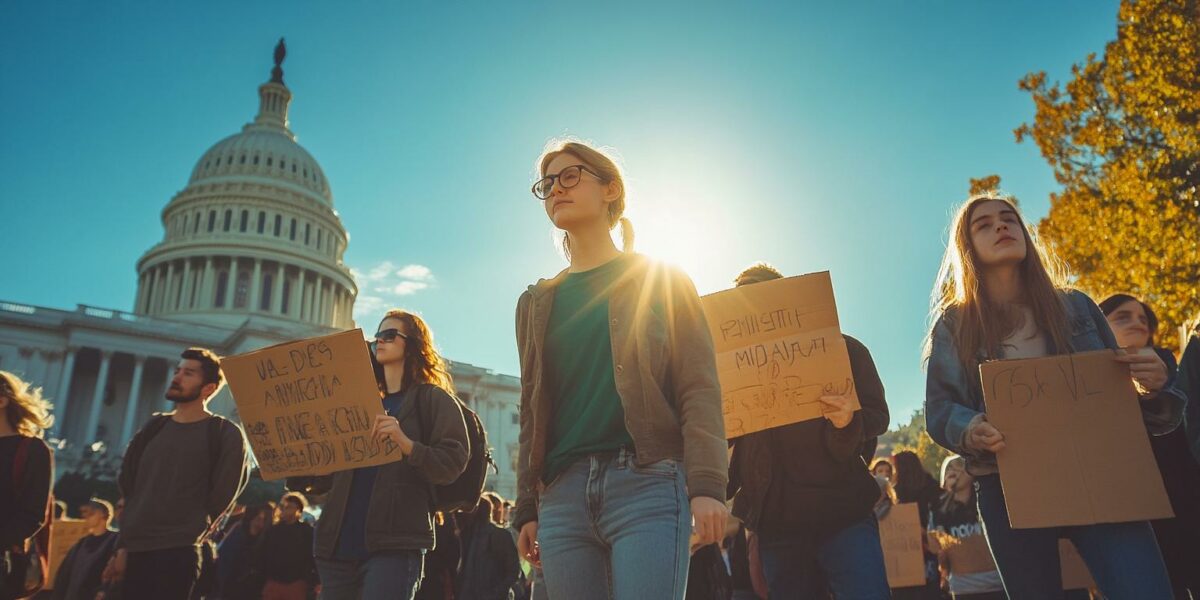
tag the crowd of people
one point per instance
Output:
(627, 485)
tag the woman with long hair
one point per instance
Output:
(26, 461)
(377, 522)
(1134, 324)
(1000, 295)
(622, 437)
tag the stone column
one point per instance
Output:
(187, 284)
(298, 301)
(322, 303)
(206, 285)
(140, 303)
(64, 389)
(277, 296)
(256, 286)
(231, 283)
(131, 405)
(93, 422)
(169, 289)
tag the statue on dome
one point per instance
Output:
(280, 54)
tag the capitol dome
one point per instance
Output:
(253, 238)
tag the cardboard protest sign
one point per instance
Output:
(779, 348)
(63, 534)
(968, 554)
(1076, 451)
(1075, 574)
(900, 537)
(308, 406)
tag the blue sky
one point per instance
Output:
(816, 136)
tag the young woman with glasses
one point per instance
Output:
(622, 445)
(376, 526)
(999, 295)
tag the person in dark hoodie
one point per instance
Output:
(806, 491)
(490, 565)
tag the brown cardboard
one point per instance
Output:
(1076, 450)
(1075, 574)
(966, 555)
(779, 348)
(900, 536)
(308, 406)
(64, 533)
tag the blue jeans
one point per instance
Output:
(611, 530)
(385, 575)
(1123, 557)
(851, 561)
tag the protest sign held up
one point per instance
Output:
(308, 406)
(779, 348)
(1076, 451)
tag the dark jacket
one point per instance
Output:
(238, 573)
(666, 375)
(399, 514)
(86, 559)
(286, 553)
(23, 512)
(809, 477)
(490, 565)
(1189, 383)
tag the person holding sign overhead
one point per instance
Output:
(806, 491)
(1134, 324)
(377, 521)
(622, 442)
(1001, 295)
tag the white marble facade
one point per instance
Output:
(251, 256)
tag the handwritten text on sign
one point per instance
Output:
(308, 406)
(779, 349)
(900, 538)
(1076, 451)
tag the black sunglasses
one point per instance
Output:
(388, 336)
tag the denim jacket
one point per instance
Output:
(954, 395)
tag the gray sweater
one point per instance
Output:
(172, 498)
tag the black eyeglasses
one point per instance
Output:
(567, 178)
(388, 336)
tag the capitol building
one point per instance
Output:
(251, 256)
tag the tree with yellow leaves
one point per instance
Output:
(1123, 138)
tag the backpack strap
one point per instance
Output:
(137, 446)
(424, 397)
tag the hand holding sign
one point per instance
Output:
(1148, 370)
(985, 436)
(779, 351)
(309, 407)
(1076, 449)
(388, 428)
(838, 409)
